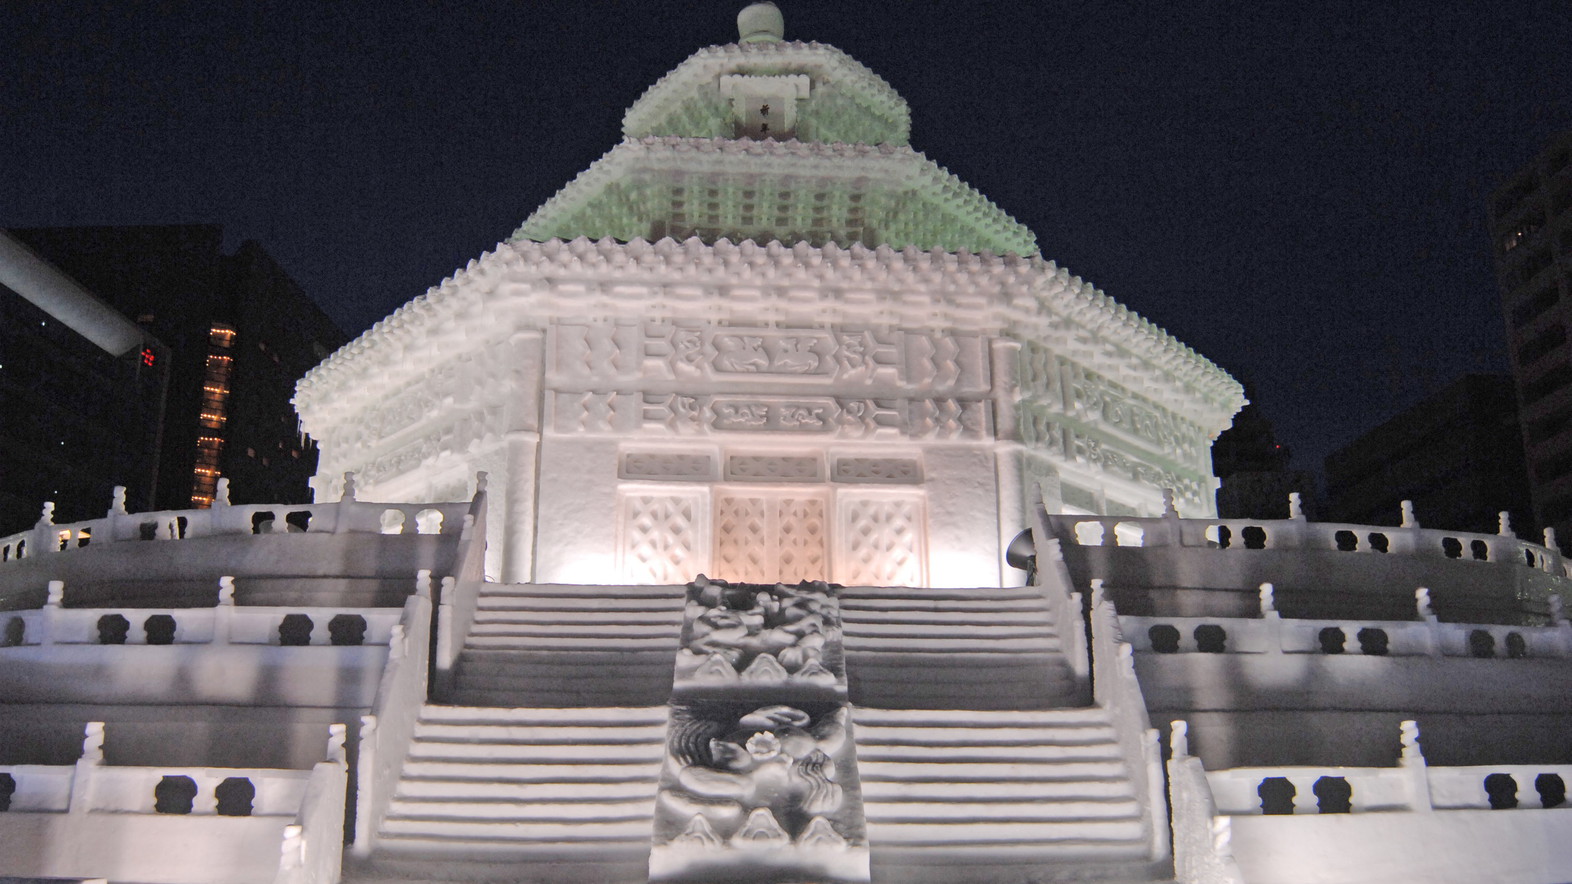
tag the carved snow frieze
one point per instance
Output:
(1038, 375)
(398, 462)
(663, 538)
(774, 468)
(853, 418)
(667, 466)
(1091, 452)
(1096, 400)
(878, 470)
(882, 540)
(662, 352)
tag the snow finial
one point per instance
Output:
(1422, 600)
(1268, 602)
(1179, 737)
(221, 493)
(1170, 511)
(1550, 540)
(47, 517)
(760, 23)
(117, 505)
(226, 591)
(481, 479)
(1408, 515)
(1506, 525)
(1294, 509)
(93, 742)
(335, 743)
(57, 594)
(349, 487)
(1409, 733)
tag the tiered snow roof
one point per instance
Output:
(792, 191)
(847, 102)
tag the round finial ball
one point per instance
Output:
(760, 23)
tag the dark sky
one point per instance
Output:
(1296, 190)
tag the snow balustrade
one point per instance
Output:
(1425, 636)
(1294, 823)
(1112, 675)
(174, 824)
(412, 676)
(1298, 534)
(346, 516)
(225, 624)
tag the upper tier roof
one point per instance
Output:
(790, 191)
(835, 97)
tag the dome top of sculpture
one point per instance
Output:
(760, 23)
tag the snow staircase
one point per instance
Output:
(550, 645)
(987, 648)
(964, 795)
(523, 794)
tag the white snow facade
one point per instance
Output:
(740, 437)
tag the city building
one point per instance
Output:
(82, 390)
(1456, 456)
(1531, 231)
(1252, 468)
(809, 559)
(239, 333)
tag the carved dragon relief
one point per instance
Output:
(760, 767)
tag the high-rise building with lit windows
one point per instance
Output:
(1531, 229)
(240, 332)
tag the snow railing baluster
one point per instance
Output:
(1115, 689)
(386, 732)
(460, 593)
(1202, 850)
(312, 850)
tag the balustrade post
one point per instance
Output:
(224, 612)
(1273, 621)
(1432, 624)
(1412, 762)
(365, 786)
(45, 538)
(86, 768)
(52, 612)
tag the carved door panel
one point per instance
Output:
(662, 536)
(882, 539)
(768, 536)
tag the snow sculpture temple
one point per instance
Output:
(809, 526)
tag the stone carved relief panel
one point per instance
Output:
(664, 537)
(881, 540)
(849, 418)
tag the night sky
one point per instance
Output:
(1295, 190)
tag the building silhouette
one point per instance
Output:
(1456, 456)
(239, 334)
(1531, 238)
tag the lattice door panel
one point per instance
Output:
(664, 537)
(882, 540)
(770, 536)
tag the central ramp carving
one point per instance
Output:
(760, 775)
